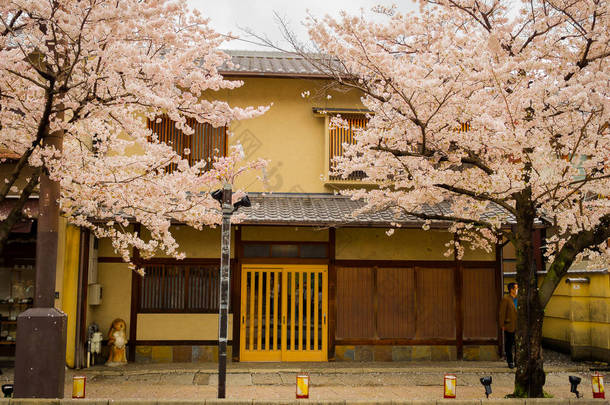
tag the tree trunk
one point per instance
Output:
(530, 377)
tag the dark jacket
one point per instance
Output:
(508, 314)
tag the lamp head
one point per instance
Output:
(486, 381)
(7, 390)
(243, 202)
(217, 195)
(574, 381)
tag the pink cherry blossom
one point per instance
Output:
(95, 71)
(478, 105)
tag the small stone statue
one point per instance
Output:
(117, 341)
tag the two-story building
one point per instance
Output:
(309, 281)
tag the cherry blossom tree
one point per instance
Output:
(476, 104)
(78, 81)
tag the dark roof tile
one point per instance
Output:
(334, 210)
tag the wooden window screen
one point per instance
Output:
(308, 250)
(396, 303)
(396, 307)
(205, 143)
(435, 303)
(342, 135)
(170, 288)
(480, 303)
(355, 303)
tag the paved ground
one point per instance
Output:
(329, 381)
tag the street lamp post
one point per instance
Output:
(224, 197)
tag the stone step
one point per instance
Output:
(329, 378)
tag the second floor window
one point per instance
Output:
(338, 136)
(205, 143)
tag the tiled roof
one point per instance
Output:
(332, 210)
(257, 63)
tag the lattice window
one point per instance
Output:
(338, 136)
(205, 143)
(185, 288)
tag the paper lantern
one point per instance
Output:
(450, 384)
(78, 386)
(597, 384)
(303, 385)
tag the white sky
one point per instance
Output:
(231, 15)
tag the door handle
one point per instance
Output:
(324, 317)
(243, 319)
(284, 319)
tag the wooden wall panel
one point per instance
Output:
(355, 308)
(396, 302)
(480, 304)
(435, 303)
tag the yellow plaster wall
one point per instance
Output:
(288, 134)
(404, 244)
(279, 233)
(194, 243)
(105, 249)
(70, 288)
(579, 313)
(180, 326)
(478, 254)
(115, 279)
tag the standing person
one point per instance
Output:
(508, 321)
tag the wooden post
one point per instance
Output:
(332, 293)
(459, 303)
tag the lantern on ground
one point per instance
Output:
(303, 385)
(7, 390)
(574, 381)
(78, 386)
(486, 381)
(597, 384)
(449, 386)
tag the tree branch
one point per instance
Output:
(17, 210)
(479, 197)
(576, 244)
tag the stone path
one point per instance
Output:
(329, 381)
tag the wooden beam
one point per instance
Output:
(499, 288)
(332, 294)
(135, 303)
(414, 263)
(80, 359)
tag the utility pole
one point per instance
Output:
(225, 258)
(41, 330)
(225, 196)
